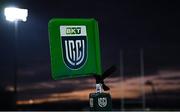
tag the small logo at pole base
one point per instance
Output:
(102, 102)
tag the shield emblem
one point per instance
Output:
(102, 102)
(74, 46)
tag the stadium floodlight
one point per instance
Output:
(15, 14)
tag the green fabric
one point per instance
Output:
(92, 65)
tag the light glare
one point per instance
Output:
(15, 14)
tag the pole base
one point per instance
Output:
(100, 102)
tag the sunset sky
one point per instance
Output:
(79, 89)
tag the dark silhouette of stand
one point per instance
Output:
(7, 99)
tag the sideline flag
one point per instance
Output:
(74, 48)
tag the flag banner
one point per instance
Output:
(74, 48)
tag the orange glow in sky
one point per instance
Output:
(129, 88)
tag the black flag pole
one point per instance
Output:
(107, 73)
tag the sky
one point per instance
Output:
(163, 81)
(125, 25)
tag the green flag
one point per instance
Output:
(74, 48)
